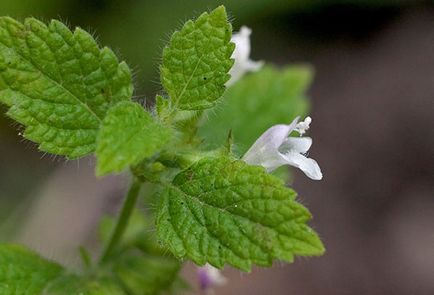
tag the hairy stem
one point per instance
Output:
(122, 220)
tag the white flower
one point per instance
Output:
(274, 148)
(210, 277)
(241, 55)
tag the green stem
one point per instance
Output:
(123, 219)
(85, 257)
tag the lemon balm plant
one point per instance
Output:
(215, 200)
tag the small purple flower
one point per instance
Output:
(209, 277)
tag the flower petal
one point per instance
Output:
(296, 144)
(242, 44)
(309, 166)
(242, 62)
(273, 137)
(270, 161)
(265, 150)
(210, 277)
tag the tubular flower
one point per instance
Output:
(210, 277)
(241, 55)
(275, 148)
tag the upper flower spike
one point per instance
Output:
(241, 55)
(274, 148)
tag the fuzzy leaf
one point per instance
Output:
(24, 272)
(224, 211)
(197, 61)
(59, 84)
(257, 102)
(128, 135)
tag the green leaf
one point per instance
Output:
(257, 102)
(128, 135)
(197, 61)
(76, 285)
(59, 84)
(24, 272)
(224, 211)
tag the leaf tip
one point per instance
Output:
(220, 10)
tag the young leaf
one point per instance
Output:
(128, 135)
(59, 84)
(25, 272)
(197, 61)
(162, 107)
(257, 102)
(224, 211)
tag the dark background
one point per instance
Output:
(373, 129)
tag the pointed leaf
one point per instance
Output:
(224, 211)
(59, 84)
(197, 61)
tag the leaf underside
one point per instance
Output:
(224, 211)
(58, 84)
(197, 61)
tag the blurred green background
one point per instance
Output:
(372, 102)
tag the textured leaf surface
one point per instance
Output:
(255, 103)
(225, 211)
(58, 84)
(128, 135)
(23, 272)
(197, 61)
